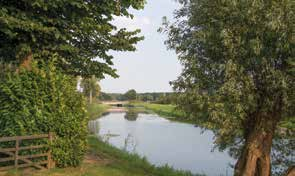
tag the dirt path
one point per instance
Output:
(88, 159)
(95, 159)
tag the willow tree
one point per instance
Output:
(238, 72)
(79, 31)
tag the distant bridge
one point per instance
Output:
(115, 103)
(117, 106)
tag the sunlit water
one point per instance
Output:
(180, 145)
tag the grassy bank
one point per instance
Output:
(96, 110)
(105, 160)
(168, 111)
(163, 110)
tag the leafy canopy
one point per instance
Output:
(130, 95)
(79, 31)
(238, 60)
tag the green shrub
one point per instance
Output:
(44, 100)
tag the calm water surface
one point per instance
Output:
(182, 146)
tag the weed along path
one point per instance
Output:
(180, 145)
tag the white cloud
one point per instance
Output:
(132, 24)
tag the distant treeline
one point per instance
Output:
(156, 97)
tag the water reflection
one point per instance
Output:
(182, 146)
(161, 141)
(130, 143)
(93, 126)
(131, 114)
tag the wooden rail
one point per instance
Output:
(12, 154)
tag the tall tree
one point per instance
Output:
(238, 72)
(90, 87)
(79, 31)
(130, 95)
(105, 96)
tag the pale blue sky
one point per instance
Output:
(152, 66)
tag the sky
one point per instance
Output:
(152, 65)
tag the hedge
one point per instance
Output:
(45, 100)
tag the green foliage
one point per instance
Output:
(131, 114)
(289, 124)
(170, 98)
(238, 65)
(90, 87)
(105, 97)
(158, 97)
(236, 57)
(90, 84)
(130, 95)
(79, 31)
(96, 110)
(44, 100)
(145, 97)
(165, 110)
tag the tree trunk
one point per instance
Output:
(90, 96)
(255, 157)
(290, 171)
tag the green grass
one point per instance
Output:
(95, 110)
(132, 163)
(164, 110)
(111, 162)
(168, 111)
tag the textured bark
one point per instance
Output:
(255, 157)
(290, 171)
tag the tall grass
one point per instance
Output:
(96, 110)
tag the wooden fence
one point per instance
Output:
(22, 161)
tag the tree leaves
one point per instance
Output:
(238, 59)
(41, 101)
(78, 31)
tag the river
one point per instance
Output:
(180, 145)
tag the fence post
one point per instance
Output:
(18, 160)
(50, 163)
(16, 152)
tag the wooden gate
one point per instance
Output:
(22, 161)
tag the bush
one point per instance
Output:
(44, 100)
